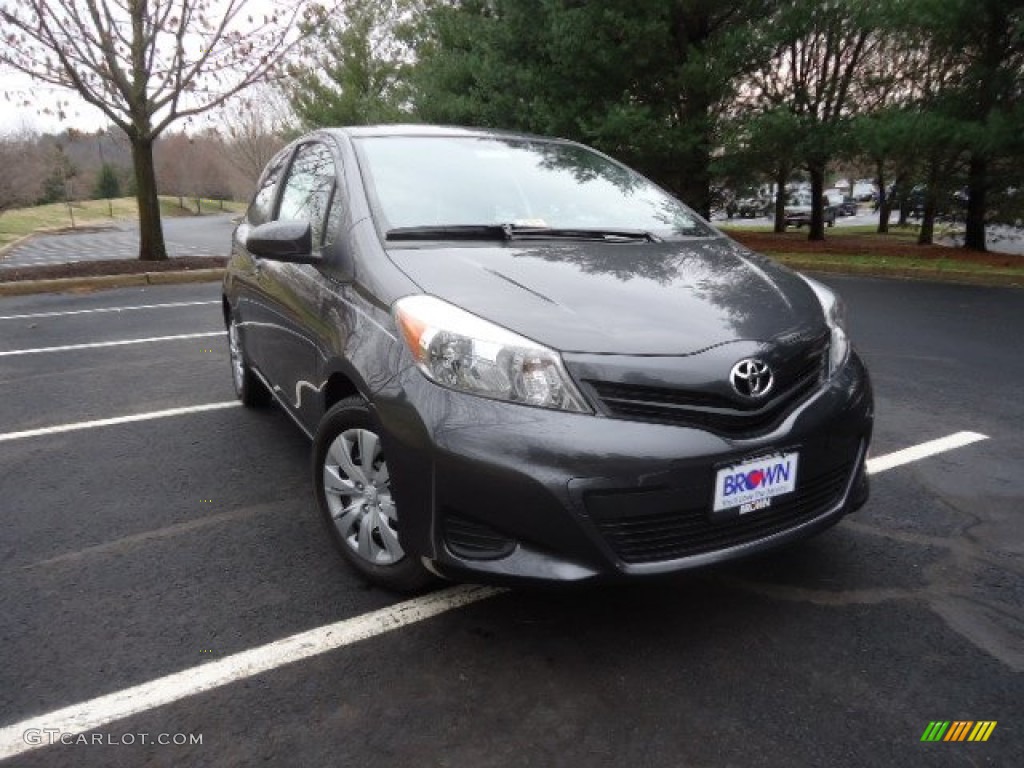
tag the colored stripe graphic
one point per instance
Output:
(982, 730)
(959, 730)
(935, 731)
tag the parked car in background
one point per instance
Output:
(915, 201)
(949, 205)
(754, 207)
(723, 201)
(864, 191)
(519, 360)
(798, 211)
(843, 204)
(849, 207)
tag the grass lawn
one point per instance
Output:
(867, 231)
(897, 263)
(18, 222)
(861, 250)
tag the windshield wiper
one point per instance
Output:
(518, 232)
(449, 232)
(573, 233)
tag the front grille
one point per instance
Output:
(796, 379)
(474, 540)
(652, 537)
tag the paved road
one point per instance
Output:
(137, 550)
(188, 236)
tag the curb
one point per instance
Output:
(104, 282)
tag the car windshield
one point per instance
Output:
(446, 182)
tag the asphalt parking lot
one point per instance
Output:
(190, 236)
(162, 573)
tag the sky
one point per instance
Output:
(14, 117)
(41, 115)
(20, 88)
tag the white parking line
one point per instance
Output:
(92, 714)
(89, 715)
(100, 344)
(923, 451)
(74, 427)
(127, 543)
(168, 305)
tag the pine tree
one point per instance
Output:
(108, 185)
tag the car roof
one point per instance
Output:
(414, 129)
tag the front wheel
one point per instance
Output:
(353, 493)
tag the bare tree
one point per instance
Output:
(148, 63)
(192, 166)
(260, 126)
(171, 157)
(212, 168)
(22, 164)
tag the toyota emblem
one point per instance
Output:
(752, 378)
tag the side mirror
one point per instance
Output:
(282, 241)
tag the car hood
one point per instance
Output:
(670, 298)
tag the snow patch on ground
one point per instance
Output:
(999, 238)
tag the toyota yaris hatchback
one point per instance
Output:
(519, 360)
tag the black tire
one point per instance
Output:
(248, 387)
(358, 512)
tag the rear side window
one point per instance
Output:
(307, 193)
(261, 209)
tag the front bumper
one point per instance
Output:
(496, 492)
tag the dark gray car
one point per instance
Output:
(519, 360)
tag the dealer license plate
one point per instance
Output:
(752, 485)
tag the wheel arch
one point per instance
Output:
(339, 385)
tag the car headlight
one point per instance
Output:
(835, 317)
(461, 351)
